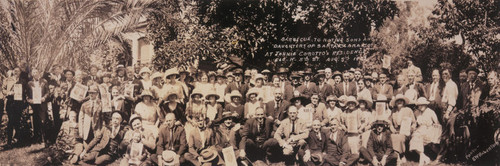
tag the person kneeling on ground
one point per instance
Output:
(379, 149)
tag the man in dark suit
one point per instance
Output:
(15, 107)
(255, 136)
(345, 87)
(108, 149)
(238, 83)
(170, 137)
(383, 87)
(276, 110)
(39, 105)
(308, 87)
(379, 149)
(473, 93)
(315, 144)
(324, 88)
(92, 78)
(337, 148)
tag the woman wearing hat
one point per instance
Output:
(400, 114)
(379, 149)
(172, 105)
(214, 109)
(149, 112)
(365, 111)
(172, 85)
(235, 105)
(145, 74)
(225, 134)
(351, 122)
(332, 110)
(252, 103)
(138, 134)
(156, 85)
(428, 130)
(303, 113)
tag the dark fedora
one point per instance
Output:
(472, 68)
(308, 71)
(282, 70)
(320, 73)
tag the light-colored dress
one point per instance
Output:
(428, 130)
(250, 109)
(398, 139)
(149, 114)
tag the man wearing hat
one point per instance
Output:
(255, 136)
(315, 145)
(295, 85)
(267, 74)
(285, 85)
(308, 87)
(345, 87)
(473, 93)
(238, 83)
(324, 88)
(220, 86)
(92, 78)
(120, 77)
(171, 137)
(379, 149)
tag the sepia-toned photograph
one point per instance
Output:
(250, 82)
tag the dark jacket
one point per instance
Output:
(250, 131)
(337, 150)
(382, 147)
(314, 143)
(279, 114)
(178, 144)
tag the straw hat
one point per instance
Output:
(265, 71)
(197, 91)
(282, 70)
(169, 158)
(235, 93)
(212, 93)
(134, 117)
(317, 158)
(351, 99)
(259, 76)
(146, 92)
(399, 97)
(331, 98)
(172, 71)
(145, 70)
(156, 75)
(366, 99)
(337, 73)
(208, 155)
(252, 91)
(320, 73)
(422, 101)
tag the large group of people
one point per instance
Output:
(185, 116)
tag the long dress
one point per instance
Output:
(398, 139)
(149, 114)
(426, 131)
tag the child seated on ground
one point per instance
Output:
(136, 151)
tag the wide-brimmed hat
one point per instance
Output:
(229, 74)
(248, 73)
(383, 123)
(422, 101)
(259, 76)
(208, 155)
(368, 77)
(134, 117)
(317, 158)
(212, 93)
(303, 100)
(252, 91)
(144, 70)
(212, 74)
(183, 70)
(308, 71)
(220, 73)
(93, 89)
(119, 113)
(237, 71)
(265, 71)
(282, 70)
(227, 115)
(295, 75)
(146, 92)
(366, 99)
(169, 157)
(472, 68)
(172, 71)
(156, 75)
(320, 73)
(170, 93)
(337, 73)
(351, 99)
(331, 98)
(399, 97)
(235, 93)
(197, 91)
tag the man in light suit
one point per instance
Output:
(290, 136)
(345, 87)
(276, 110)
(255, 136)
(201, 139)
(337, 148)
(383, 87)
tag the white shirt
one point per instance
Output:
(450, 93)
(432, 97)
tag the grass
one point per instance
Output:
(29, 155)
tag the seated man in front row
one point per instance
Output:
(171, 137)
(290, 136)
(379, 148)
(255, 136)
(337, 148)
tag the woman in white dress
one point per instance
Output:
(428, 129)
(149, 112)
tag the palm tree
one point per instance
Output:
(44, 33)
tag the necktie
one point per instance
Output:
(433, 88)
(307, 85)
(171, 138)
(293, 127)
(258, 128)
(319, 136)
(345, 87)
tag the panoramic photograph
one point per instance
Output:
(250, 82)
